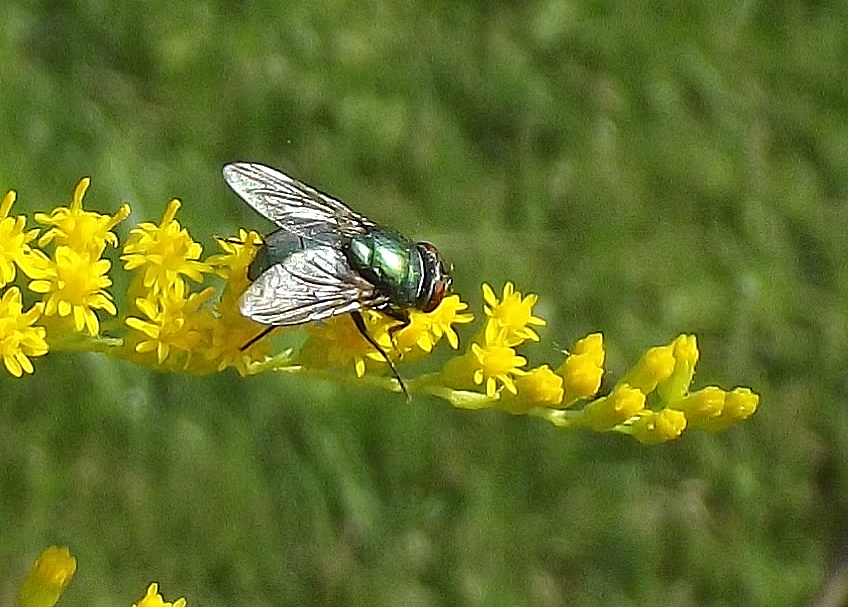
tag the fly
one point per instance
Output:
(325, 260)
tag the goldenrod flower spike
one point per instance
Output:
(50, 574)
(169, 326)
(152, 598)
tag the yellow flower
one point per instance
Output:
(653, 427)
(539, 387)
(417, 334)
(623, 403)
(417, 338)
(190, 333)
(513, 314)
(174, 323)
(591, 346)
(83, 231)
(686, 354)
(583, 370)
(724, 408)
(496, 362)
(73, 284)
(164, 253)
(19, 340)
(14, 247)
(50, 574)
(704, 404)
(153, 599)
(655, 367)
(238, 254)
(739, 405)
(445, 316)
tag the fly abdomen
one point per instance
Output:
(277, 247)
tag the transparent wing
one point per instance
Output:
(292, 205)
(312, 284)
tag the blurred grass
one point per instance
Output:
(647, 168)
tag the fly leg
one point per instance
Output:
(399, 315)
(253, 340)
(360, 325)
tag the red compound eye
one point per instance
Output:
(437, 279)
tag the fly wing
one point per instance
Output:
(312, 284)
(292, 205)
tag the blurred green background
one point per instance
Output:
(647, 168)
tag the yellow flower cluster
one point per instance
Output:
(663, 375)
(337, 341)
(52, 572)
(177, 328)
(167, 325)
(173, 318)
(651, 402)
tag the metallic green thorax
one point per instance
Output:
(390, 262)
